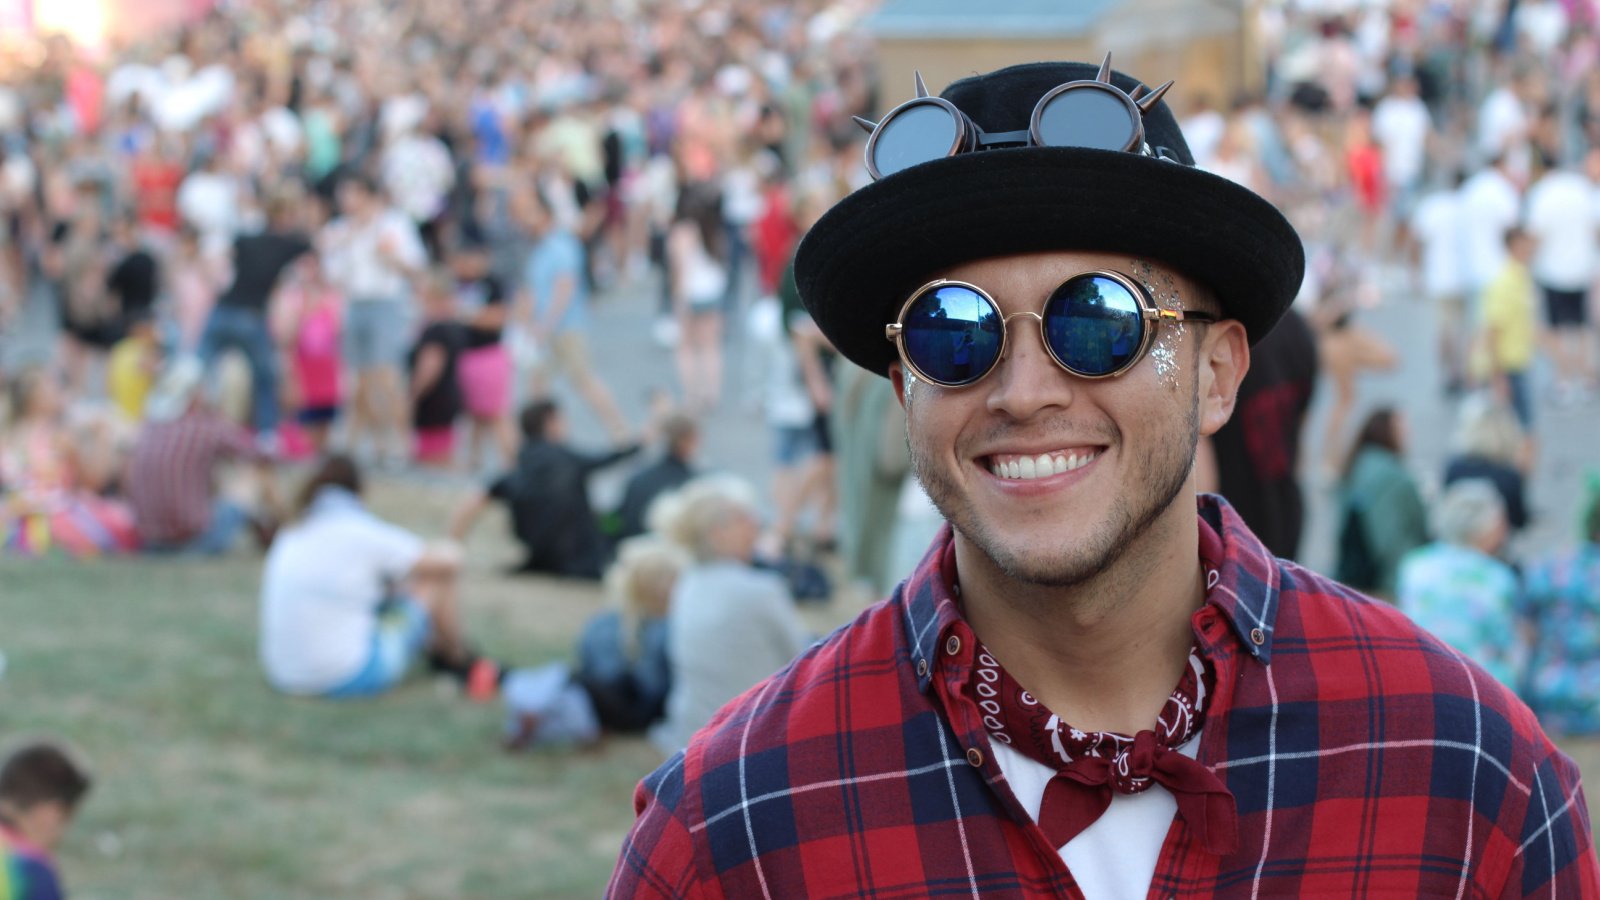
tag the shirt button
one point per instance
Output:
(975, 756)
(922, 668)
(1258, 637)
(952, 646)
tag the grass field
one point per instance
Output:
(211, 786)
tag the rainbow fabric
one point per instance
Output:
(26, 872)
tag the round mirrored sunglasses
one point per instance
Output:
(1094, 114)
(1095, 324)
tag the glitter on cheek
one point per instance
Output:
(1169, 338)
(1164, 355)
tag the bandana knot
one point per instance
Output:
(1132, 766)
(1091, 767)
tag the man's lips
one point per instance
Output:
(1035, 466)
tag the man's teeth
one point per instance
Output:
(1024, 468)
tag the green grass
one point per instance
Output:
(212, 786)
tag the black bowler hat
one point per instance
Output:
(859, 263)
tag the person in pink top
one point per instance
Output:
(310, 327)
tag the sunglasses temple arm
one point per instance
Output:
(1003, 138)
(1178, 315)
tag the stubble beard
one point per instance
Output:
(1159, 473)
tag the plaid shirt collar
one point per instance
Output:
(1243, 586)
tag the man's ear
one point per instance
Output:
(897, 377)
(1223, 359)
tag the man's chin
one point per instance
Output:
(1066, 561)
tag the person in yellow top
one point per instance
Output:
(1507, 327)
(132, 366)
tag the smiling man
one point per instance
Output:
(1096, 683)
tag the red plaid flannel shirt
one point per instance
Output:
(1365, 756)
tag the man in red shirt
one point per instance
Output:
(1097, 683)
(172, 474)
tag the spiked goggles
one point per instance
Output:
(1094, 114)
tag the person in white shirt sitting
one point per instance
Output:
(349, 601)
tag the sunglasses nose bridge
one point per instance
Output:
(1021, 384)
(1005, 324)
(1009, 354)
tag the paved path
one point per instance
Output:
(737, 438)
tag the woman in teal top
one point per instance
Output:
(1381, 515)
(1457, 589)
(1562, 598)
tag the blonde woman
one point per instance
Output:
(731, 624)
(622, 674)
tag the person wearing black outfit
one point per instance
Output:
(1257, 453)
(436, 400)
(671, 471)
(239, 319)
(486, 367)
(133, 277)
(547, 492)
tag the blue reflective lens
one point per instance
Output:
(952, 334)
(1093, 325)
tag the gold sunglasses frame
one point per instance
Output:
(1148, 312)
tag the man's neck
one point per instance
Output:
(1103, 654)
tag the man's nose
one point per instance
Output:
(1027, 378)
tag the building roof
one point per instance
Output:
(989, 18)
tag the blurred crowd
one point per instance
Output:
(325, 239)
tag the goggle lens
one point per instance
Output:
(1093, 325)
(952, 334)
(1086, 117)
(920, 134)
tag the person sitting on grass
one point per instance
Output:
(41, 785)
(622, 675)
(681, 439)
(547, 492)
(171, 479)
(1457, 587)
(54, 479)
(349, 601)
(731, 624)
(1561, 600)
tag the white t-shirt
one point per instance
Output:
(209, 202)
(1489, 207)
(418, 174)
(1401, 126)
(1501, 120)
(1563, 218)
(1542, 24)
(1439, 229)
(320, 590)
(355, 265)
(1116, 856)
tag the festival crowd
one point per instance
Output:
(309, 243)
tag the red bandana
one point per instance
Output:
(1091, 766)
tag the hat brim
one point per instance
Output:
(858, 264)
